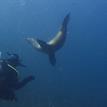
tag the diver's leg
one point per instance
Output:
(7, 94)
(22, 83)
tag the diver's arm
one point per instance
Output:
(22, 83)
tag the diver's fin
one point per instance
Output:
(52, 58)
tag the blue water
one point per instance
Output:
(79, 78)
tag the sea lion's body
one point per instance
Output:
(54, 44)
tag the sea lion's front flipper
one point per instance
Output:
(52, 58)
(48, 49)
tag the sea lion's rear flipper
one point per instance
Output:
(52, 59)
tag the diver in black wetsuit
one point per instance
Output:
(9, 80)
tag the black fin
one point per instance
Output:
(52, 59)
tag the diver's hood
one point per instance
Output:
(14, 60)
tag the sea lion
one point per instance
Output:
(54, 44)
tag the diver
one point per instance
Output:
(9, 77)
